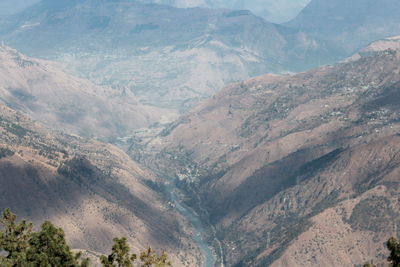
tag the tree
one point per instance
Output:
(25, 248)
(21, 247)
(394, 247)
(149, 258)
(14, 240)
(48, 247)
(120, 256)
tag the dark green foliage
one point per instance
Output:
(22, 247)
(14, 238)
(76, 167)
(394, 247)
(149, 258)
(5, 152)
(121, 257)
(49, 248)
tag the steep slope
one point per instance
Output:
(91, 189)
(167, 56)
(350, 24)
(271, 158)
(44, 91)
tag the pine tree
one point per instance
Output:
(24, 248)
(21, 247)
(14, 240)
(394, 247)
(149, 259)
(48, 247)
(120, 256)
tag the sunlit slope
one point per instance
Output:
(275, 156)
(91, 189)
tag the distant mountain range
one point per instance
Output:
(277, 11)
(48, 94)
(292, 169)
(351, 25)
(167, 56)
(274, 11)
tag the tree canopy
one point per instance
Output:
(20, 246)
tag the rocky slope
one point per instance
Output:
(49, 95)
(91, 189)
(294, 170)
(351, 25)
(168, 56)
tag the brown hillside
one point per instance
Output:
(274, 155)
(91, 189)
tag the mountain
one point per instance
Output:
(169, 57)
(10, 7)
(294, 170)
(276, 11)
(93, 190)
(350, 24)
(44, 91)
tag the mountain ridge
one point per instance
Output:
(156, 56)
(93, 190)
(48, 94)
(273, 153)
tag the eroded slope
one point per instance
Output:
(272, 155)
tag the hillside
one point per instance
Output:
(169, 57)
(73, 105)
(294, 170)
(94, 191)
(351, 25)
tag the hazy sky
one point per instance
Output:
(273, 10)
(9, 7)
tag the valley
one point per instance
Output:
(201, 129)
(148, 50)
(317, 137)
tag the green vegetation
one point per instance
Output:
(20, 246)
(5, 152)
(24, 248)
(394, 247)
(121, 257)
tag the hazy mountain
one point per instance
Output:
(9, 7)
(44, 91)
(350, 24)
(167, 56)
(91, 189)
(277, 11)
(292, 169)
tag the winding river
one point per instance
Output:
(193, 218)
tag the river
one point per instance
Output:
(197, 225)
